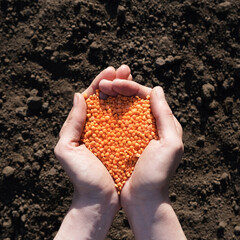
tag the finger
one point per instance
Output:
(163, 114)
(109, 74)
(106, 87)
(65, 123)
(130, 77)
(123, 72)
(178, 127)
(130, 88)
(74, 124)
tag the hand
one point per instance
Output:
(95, 200)
(145, 195)
(160, 159)
(88, 175)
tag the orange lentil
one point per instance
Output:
(85, 95)
(117, 130)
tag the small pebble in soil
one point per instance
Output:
(237, 70)
(95, 46)
(7, 223)
(39, 154)
(139, 79)
(221, 228)
(183, 121)
(15, 214)
(21, 111)
(121, 15)
(236, 209)
(160, 62)
(35, 166)
(228, 104)
(45, 106)
(24, 218)
(34, 103)
(237, 230)
(33, 92)
(169, 59)
(208, 91)
(213, 105)
(224, 177)
(52, 172)
(228, 84)
(8, 171)
(223, 7)
(199, 101)
(17, 158)
(173, 197)
(200, 141)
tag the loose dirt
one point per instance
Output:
(51, 49)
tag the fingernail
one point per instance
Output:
(158, 92)
(75, 99)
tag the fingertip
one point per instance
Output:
(159, 93)
(110, 69)
(130, 77)
(79, 109)
(73, 126)
(124, 67)
(77, 98)
(123, 72)
(109, 73)
(163, 114)
(158, 101)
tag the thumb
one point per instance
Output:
(163, 114)
(74, 124)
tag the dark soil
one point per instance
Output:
(50, 49)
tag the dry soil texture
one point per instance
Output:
(50, 49)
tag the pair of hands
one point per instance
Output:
(155, 167)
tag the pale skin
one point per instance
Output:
(145, 195)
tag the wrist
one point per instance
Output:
(132, 197)
(144, 214)
(109, 202)
(153, 217)
(88, 218)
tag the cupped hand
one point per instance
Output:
(90, 178)
(159, 160)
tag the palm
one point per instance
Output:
(160, 159)
(87, 173)
(153, 169)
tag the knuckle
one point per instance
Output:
(55, 150)
(180, 146)
(167, 109)
(58, 149)
(60, 133)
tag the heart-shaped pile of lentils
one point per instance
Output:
(117, 130)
